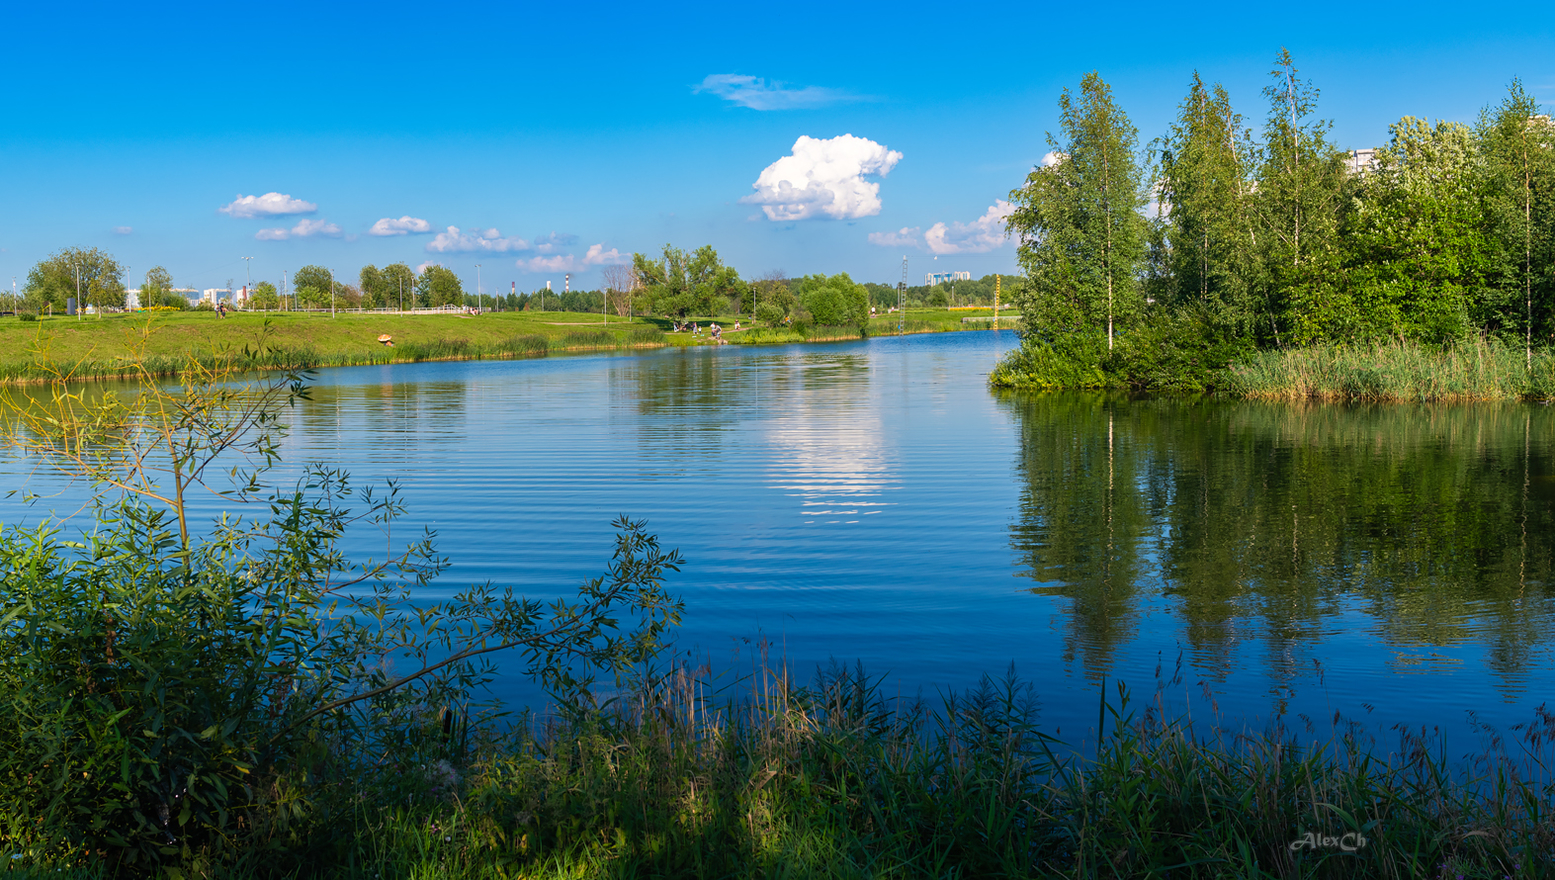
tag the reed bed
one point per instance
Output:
(1395, 372)
(686, 775)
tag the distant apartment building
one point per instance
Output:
(214, 295)
(132, 298)
(1361, 161)
(934, 278)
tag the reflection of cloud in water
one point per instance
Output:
(833, 461)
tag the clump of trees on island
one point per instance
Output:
(1162, 267)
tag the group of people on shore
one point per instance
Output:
(715, 332)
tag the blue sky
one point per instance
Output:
(542, 131)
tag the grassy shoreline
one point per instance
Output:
(836, 780)
(1387, 373)
(103, 348)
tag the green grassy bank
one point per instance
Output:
(92, 347)
(835, 780)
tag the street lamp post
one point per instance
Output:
(332, 293)
(248, 280)
(480, 304)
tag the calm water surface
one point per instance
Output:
(875, 501)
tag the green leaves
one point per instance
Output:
(835, 301)
(682, 284)
(1082, 238)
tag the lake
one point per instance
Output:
(876, 501)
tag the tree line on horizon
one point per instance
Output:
(678, 283)
(99, 278)
(1155, 266)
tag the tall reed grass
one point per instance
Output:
(1395, 372)
(690, 775)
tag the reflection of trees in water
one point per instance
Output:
(688, 400)
(1432, 522)
(395, 415)
(1084, 519)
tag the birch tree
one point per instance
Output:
(1203, 190)
(1300, 178)
(1082, 239)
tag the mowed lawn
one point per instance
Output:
(347, 337)
(97, 346)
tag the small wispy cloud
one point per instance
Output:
(403, 226)
(303, 229)
(553, 243)
(123, 230)
(595, 256)
(907, 236)
(758, 94)
(457, 241)
(271, 204)
(557, 263)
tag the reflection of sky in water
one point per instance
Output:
(832, 461)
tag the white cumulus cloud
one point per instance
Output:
(268, 205)
(598, 256)
(456, 241)
(422, 269)
(303, 229)
(403, 226)
(978, 237)
(824, 178)
(758, 94)
(907, 236)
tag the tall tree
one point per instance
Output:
(158, 283)
(375, 287)
(439, 286)
(1415, 239)
(1203, 188)
(399, 284)
(620, 283)
(320, 280)
(95, 274)
(1519, 145)
(682, 284)
(264, 297)
(1300, 179)
(835, 301)
(1082, 238)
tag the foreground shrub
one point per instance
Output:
(178, 696)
